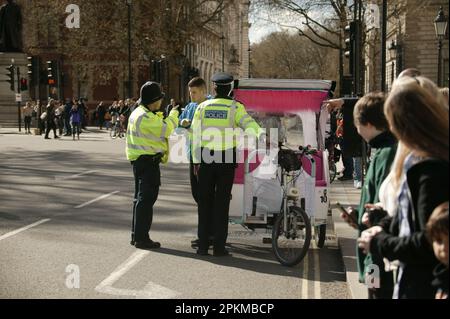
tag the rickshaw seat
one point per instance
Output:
(318, 158)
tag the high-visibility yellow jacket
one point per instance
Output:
(212, 122)
(148, 133)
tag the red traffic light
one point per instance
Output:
(51, 81)
(23, 84)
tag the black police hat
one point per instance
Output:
(222, 78)
(150, 93)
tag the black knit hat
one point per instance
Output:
(150, 93)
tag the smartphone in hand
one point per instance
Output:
(351, 217)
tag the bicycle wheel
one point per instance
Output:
(290, 247)
(333, 171)
(320, 236)
(113, 132)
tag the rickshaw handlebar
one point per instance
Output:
(307, 150)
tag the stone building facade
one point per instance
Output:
(102, 76)
(411, 43)
(224, 46)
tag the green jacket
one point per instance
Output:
(380, 166)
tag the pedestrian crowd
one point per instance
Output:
(402, 218)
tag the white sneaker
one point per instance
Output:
(358, 184)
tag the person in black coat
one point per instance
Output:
(418, 118)
(51, 119)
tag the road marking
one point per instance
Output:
(150, 291)
(305, 280)
(75, 176)
(97, 199)
(15, 232)
(317, 292)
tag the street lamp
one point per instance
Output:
(393, 55)
(130, 75)
(440, 24)
(249, 63)
(222, 38)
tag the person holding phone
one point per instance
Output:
(372, 125)
(419, 118)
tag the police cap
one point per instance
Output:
(222, 78)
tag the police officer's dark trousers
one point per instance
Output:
(147, 179)
(194, 181)
(215, 182)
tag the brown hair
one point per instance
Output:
(369, 109)
(437, 224)
(197, 82)
(418, 118)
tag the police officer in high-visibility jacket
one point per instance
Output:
(214, 156)
(147, 146)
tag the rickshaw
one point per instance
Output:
(285, 189)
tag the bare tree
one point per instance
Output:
(285, 55)
(158, 27)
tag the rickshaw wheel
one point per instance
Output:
(321, 232)
(294, 250)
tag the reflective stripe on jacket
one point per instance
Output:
(147, 133)
(212, 123)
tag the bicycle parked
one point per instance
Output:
(117, 129)
(334, 154)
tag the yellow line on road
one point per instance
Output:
(317, 292)
(305, 280)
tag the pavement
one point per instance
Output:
(62, 226)
(347, 195)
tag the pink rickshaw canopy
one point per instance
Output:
(282, 96)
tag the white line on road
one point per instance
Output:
(97, 199)
(15, 232)
(317, 292)
(150, 291)
(75, 176)
(305, 280)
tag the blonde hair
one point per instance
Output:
(418, 117)
(444, 92)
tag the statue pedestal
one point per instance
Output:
(8, 104)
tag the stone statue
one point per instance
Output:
(10, 27)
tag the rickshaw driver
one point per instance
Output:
(216, 175)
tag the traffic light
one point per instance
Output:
(33, 69)
(23, 84)
(52, 72)
(350, 37)
(156, 70)
(11, 77)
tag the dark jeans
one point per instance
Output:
(347, 161)
(67, 127)
(101, 120)
(50, 126)
(27, 121)
(147, 179)
(76, 129)
(215, 182)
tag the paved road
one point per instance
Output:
(65, 207)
